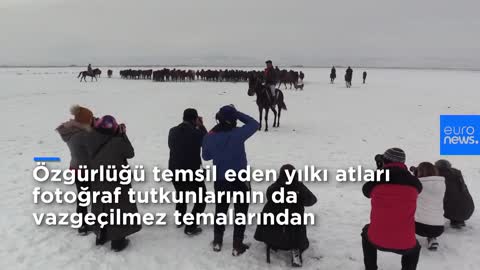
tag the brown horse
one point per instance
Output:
(264, 101)
(95, 72)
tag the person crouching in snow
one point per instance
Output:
(109, 145)
(225, 145)
(75, 134)
(392, 216)
(458, 205)
(429, 215)
(293, 238)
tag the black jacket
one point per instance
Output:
(107, 150)
(185, 142)
(457, 203)
(270, 76)
(286, 237)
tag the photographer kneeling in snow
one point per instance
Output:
(458, 204)
(392, 216)
(429, 215)
(109, 145)
(291, 237)
(225, 145)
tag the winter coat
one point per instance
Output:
(348, 75)
(270, 76)
(76, 135)
(185, 142)
(114, 150)
(333, 74)
(430, 201)
(364, 75)
(457, 203)
(286, 237)
(227, 148)
(393, 205)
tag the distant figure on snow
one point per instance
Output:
(292, 238)
(271, 78)
(364, 76)
(333, 75)
(89, 69)
(348, 77)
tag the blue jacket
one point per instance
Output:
(227, 149)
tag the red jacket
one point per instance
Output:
(392, 217)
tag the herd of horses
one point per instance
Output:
(256, 87)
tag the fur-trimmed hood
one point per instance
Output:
(70, 128)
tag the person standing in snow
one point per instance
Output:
(392, 216)
(458, 205)
(185, 141)
(270, 75)
(109, 145)
(348, 77)
(225, 145)
(292, 238)
(429, 214)
(364, 77)
(75, 133)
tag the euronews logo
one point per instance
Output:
(459, 134)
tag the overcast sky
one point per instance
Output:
(441, 33)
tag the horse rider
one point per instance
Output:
(89, 69)
(270, 78)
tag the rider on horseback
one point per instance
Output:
(89, 69)
(271, 79)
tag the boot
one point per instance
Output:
(101, 239)
(296, 258)
(193, 230)
(119, 245)
(457, 224)
(84, 230)
(432, 243)
(217, 242)
(239, 247)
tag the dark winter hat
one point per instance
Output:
(443, 164)
(107, 123)
(227, 114)
(268, 62)
(190, 114)
(394, 155)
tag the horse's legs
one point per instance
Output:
(279, 114)
(274, 116)
(260, 111)
(266, 119)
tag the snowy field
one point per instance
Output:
(325, 125)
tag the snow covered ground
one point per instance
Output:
(325, 125)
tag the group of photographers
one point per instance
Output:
(412, 204)
(406, 205)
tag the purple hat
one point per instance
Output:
(107, 122)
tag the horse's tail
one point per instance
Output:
(281, 101)
(79, 74)
(282, 105)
